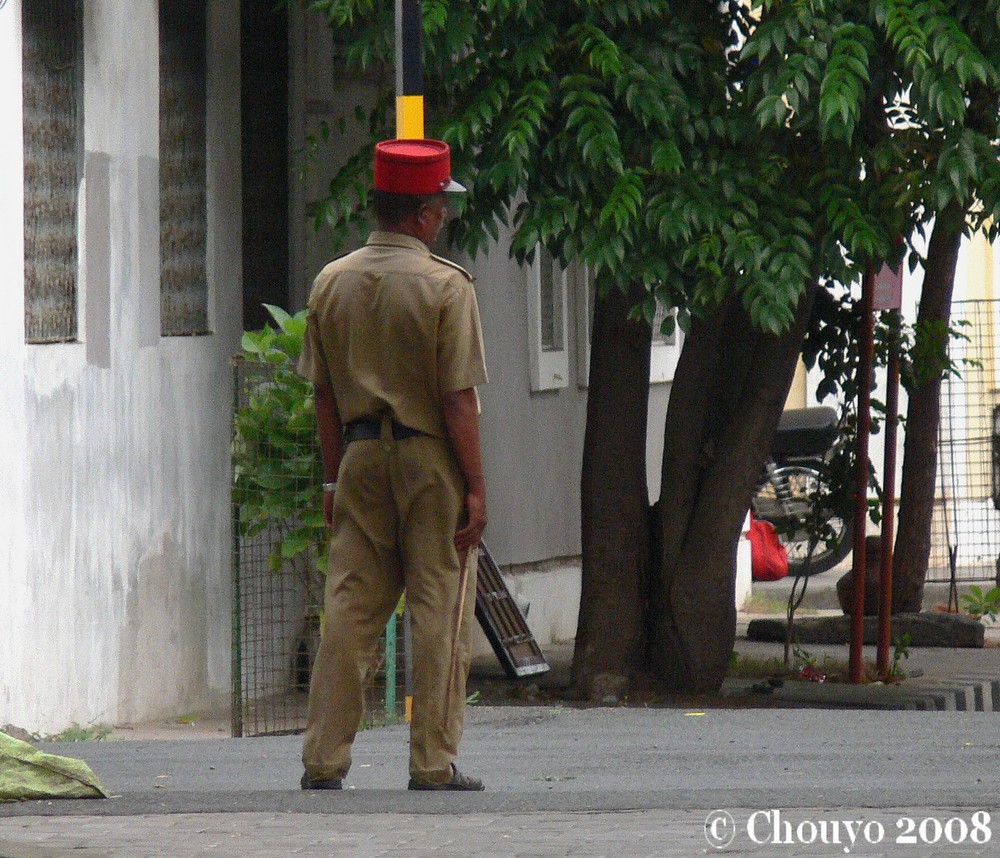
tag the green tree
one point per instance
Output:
(912, 91)
(609, 132)
(695, 155)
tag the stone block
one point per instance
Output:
(927, 628)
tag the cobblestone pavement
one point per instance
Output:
(625, 834)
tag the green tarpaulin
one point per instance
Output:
(27, 773)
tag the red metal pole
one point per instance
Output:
(888, 501)
(866, 356)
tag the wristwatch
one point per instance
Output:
(329, 487)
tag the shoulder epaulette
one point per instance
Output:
(341, 255)
(454, 265)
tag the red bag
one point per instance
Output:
(768, 557)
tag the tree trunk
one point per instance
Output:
(729, 391)
(923, 414)
(615, 502)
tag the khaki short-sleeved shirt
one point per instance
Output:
(391, 328)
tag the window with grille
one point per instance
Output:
(52, 57)
(549, 355)
(183, 193)
(666, 348)
(552, 295)
(660, 338)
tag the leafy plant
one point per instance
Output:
(755, 667)
(803, 657)
(979, 603)
(901, 650)
(277, 469)
(805, 666)
(78, 733)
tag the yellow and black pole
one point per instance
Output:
(409, 126)
(409, 71)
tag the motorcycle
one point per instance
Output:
(794, 481)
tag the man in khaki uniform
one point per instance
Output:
(394, 349)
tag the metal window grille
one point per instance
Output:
(53, 113)
(183, 195)
(660, 338)
(965, 531)
(552, 293)
(276, 617)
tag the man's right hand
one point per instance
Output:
(461, 417)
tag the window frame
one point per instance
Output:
(548, 367)
(665, 352)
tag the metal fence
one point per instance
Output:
(277, 603)
(965, 531)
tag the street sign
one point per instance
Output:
(888, 288)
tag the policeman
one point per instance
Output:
(394, 349)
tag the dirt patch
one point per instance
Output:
(643, 693)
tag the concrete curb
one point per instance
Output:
(967, 693)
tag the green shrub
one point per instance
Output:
(277, 469)
(979, 604)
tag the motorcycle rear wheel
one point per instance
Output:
(803, 482)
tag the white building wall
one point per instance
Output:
(14, 595)
(114, 519)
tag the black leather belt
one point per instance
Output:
(367, 430)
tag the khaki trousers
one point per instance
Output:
(397, 507)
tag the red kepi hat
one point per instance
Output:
(414, 167)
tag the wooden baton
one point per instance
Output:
(463, 586)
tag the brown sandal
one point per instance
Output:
(320, 783)
(458, 782)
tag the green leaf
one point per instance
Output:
(280, 316)
(251, 342)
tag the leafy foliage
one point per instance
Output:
(708, 149)
(277, 469)
(905, 90)
(900, 651)
(613, 134)
(898, 101)
(979, 603)
(698, 149)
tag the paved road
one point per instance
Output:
(615, 782)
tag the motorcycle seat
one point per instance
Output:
(804, 433)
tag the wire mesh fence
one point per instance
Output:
(965, 530)
(278, 562)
